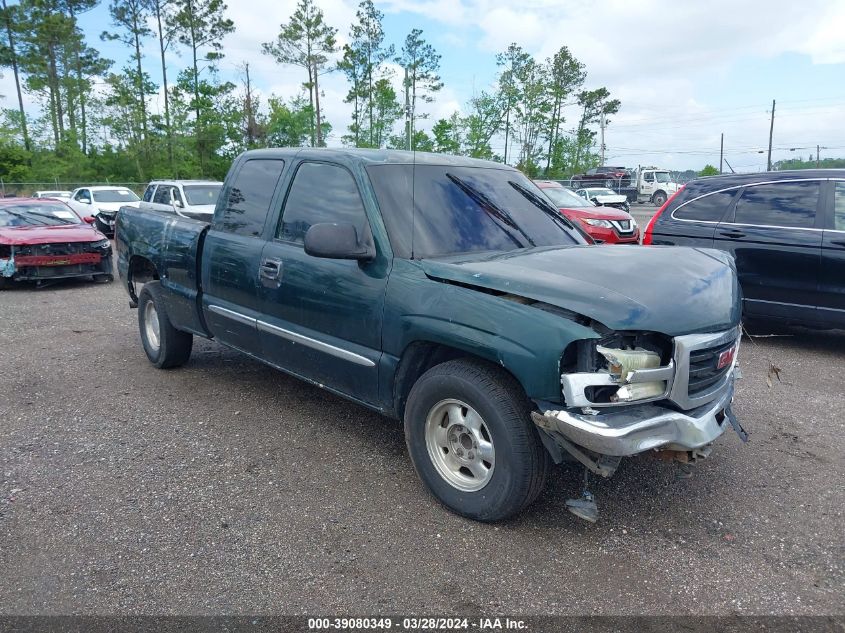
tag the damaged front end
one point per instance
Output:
(48, 262)
(629, 393)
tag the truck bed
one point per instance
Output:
(171, 246)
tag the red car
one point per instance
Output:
(43, 240)
(606, 225)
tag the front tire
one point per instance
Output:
(472, 442)
(659, 199)
(164, 345)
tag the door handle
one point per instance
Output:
(270, 270)
(732, 234)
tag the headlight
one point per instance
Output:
(605, 224)
(622, 362)
(101, 244)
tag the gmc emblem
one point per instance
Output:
(726, 357)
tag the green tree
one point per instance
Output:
(369, 53)
(165, 35)
(289, 124)
(484, 120)
(386, 111)
(9, 59)
(200, 26)
(131, 17)
(447, 135)
(709, 170)
(306, 41)
(566, 74)
(353, 66)
(594, 104)
(421, 63)
(511, 63)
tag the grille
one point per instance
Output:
(70, 248)
(622, 226)
(703, 372)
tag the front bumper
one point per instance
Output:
(638, 428)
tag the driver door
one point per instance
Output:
(322, 318)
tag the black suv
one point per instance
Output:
(785, 229)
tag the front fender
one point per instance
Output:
(525, 340)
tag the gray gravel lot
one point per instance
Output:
(227, 487)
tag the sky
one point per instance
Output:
(685, 72)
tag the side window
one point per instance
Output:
(649, 177)
(788, 204)
(148, 193)
(248, 196)
(709, 208)
(839, 207)
(321, 193)
(82, 194)
(162, 195)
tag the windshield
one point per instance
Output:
(114, 195)
(662, 176)
(202, 194)
(37, 214)
(464, 209)
(564, 198)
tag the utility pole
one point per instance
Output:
(407, 114)
(817, 156)
(771, 131)
(721, 151)
(601, 123)
(729, 165)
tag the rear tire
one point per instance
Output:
(164, 345)
(472, 442)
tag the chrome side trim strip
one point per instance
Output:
(231, 314)
(352, 357)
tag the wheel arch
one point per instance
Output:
(420, 356)
(141, 269)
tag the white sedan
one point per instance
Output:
(102, 202)
(605, 197)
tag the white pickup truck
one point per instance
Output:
(187, 198)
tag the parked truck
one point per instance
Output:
(447, 293)
(642, 184)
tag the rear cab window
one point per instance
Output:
(248, 197)
(779, 204)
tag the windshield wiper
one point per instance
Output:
(24, 216)
(52, 217)
(542, 204)
(492, 209)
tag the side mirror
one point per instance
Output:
(178, 204)
(85, 200)
(595, 201)
(336, 241)
(89, 219)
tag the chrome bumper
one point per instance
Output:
(638, 428)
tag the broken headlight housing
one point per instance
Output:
(622, 363)
(617, 369)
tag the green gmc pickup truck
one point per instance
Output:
(449, 294)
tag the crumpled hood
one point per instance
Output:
(672, 290)
(61, 233)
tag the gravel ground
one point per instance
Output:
(227, 487)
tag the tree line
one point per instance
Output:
(94, 120)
